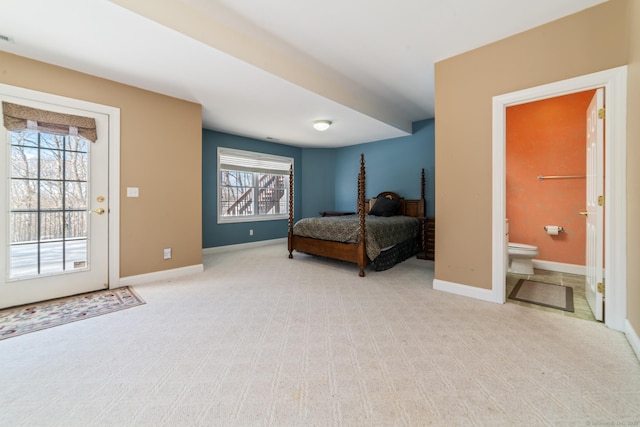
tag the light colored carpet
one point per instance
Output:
(262, 340)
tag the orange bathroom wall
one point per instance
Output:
(548, 137)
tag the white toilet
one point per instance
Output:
(521, 258)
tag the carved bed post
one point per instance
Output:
(290, 234)
(422, 186)
(362, 253)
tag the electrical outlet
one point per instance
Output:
(250, 232)
(167, 253)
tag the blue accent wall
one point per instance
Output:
(391, 165)
(318, 180)
(214, 234)
(325, 179)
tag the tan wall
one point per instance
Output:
(633, 170)
(160, 152)
(593, 40)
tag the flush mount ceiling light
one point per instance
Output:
(321, 124)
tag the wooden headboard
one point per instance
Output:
(408, 207)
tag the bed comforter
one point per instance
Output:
(380, 232)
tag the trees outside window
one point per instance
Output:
(252, 186)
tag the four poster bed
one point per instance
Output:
(386, 230)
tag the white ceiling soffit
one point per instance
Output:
(268, 69)
(311, 89)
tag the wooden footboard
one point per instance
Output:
(350, 252)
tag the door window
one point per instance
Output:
(48, 200)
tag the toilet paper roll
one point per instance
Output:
(552, 230)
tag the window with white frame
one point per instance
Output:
(252, 186)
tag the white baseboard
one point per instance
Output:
(464, 290)
(241, 246)
(632, 337)
(560, 267)
(157, 276)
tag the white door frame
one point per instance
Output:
(114, 163)
(615, 83)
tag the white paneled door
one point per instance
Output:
(55, 208)
(594, 287)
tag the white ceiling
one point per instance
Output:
(268, 69)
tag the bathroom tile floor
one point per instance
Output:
(576, 281)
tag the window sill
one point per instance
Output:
(234, 220)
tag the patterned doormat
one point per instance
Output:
(544, 294)
(46, 314)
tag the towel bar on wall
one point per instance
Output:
(541, 177)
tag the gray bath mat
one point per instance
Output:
(545, 294)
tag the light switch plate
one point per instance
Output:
(132, 192)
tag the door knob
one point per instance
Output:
(585, 213)
(99, 211)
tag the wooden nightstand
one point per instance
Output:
(422, 239)
(430, 238)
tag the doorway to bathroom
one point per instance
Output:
(546, 184)
(614, 82)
